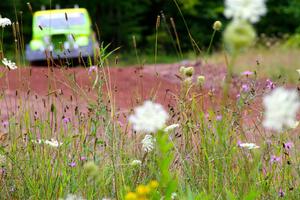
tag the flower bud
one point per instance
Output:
(239, 35)
(189, 71)
(217, 25)
(91, 169)
(200, 80)
(182, 70)
(188, 81)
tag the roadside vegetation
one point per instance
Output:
(240, 142)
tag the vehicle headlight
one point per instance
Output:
(82, 40)
(36, 45)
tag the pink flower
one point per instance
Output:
(288, 145)
(274, 159)
(270, 85)
(238, 96)
(206, 115)
(92, 69)
(245, 88)
(247, 73)
(219, 117)
(83, 158)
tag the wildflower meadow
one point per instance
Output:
(198, 132)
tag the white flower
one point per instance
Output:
(4, 22)
(72, 197)
(2, 159)
(250, 10)
(248, 145)
(52, 142)
(298, 70)
(295, 125)
(171, 127)
(173, 195)
(136, 162)
(9, 64)
(281, 107)
(149, 117)
(148, 143)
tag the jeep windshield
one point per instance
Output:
(60, 20)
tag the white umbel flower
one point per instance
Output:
(52, 142)
(9, 64)
(136, 162)
(171, 127)
(72, 197)
(281, 107)
(250, 10)
(2, 159)
(148, 143)
(149, 117)
(248, 145)
(4, 22)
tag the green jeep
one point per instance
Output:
(61, 33)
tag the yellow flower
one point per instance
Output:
(153, 184)
(131, 196)
(142, 190)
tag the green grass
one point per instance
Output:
(199, 160)
(130, 59)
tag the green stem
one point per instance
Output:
(211, 41)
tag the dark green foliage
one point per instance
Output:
(118, 20)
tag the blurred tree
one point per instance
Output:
(118, 20)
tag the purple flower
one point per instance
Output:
(219, 117)
(2, 171)
(92, 69)
(72, 164)
(270, 85)
(288, 145)
(238, 96)
(66, 120)
(245, 88)
(247, 73)
(281, 193)
(274, 159)
(5, 124)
